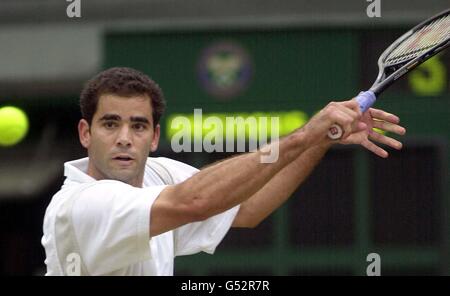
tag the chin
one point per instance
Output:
(123, 178)
(118, 176)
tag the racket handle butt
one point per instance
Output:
(335, 132)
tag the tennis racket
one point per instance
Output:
(406, 53)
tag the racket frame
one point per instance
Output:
(367, 99)
(382, 82)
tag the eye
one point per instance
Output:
(139, 127)
(110, 124)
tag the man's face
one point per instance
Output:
(120, 138)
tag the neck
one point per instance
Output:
(98, 175)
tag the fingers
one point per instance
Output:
(386, 121)
(375, 149)
(382, 140)
(340, 116)
(344, 114)
(389, 127)
(379, 138)
(384, 116)
(349, 107)
(352, 104)
(374, 118)
(374, 136)
(344, 121)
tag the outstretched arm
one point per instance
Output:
(228, 183)
(282, 185)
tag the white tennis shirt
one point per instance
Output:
(104, 225)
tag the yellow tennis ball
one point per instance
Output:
(13, 125)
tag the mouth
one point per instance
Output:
(123, 159)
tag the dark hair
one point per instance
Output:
(121, 81)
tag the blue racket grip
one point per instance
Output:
(365, 100)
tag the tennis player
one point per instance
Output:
(120, 212)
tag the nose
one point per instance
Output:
(124, 136)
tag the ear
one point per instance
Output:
(84, 133)
(155, 140)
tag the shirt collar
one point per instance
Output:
(76, 170)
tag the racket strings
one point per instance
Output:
(420, 41)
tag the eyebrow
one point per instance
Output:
(116, 117)
(110, 117)
(139, 119)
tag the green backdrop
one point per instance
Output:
(353, 204)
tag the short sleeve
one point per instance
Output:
(203, 236)
(111, 223)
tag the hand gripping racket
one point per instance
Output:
(407, 52)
